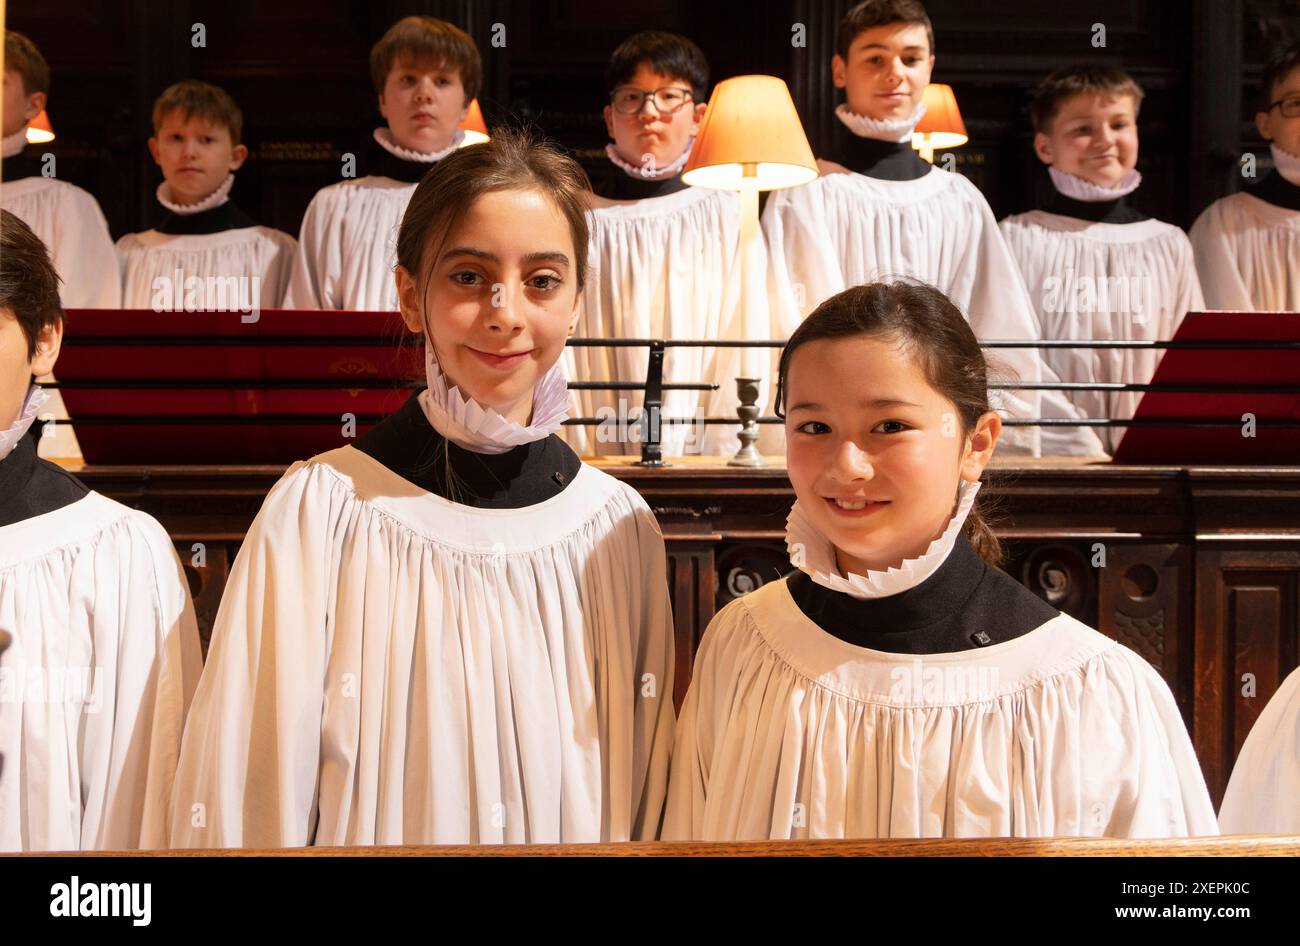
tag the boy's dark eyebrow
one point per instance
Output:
(878, 402)
(552, 256)
(906, 49)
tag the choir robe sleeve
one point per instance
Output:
(84, 255)
(109, 599)
(316, 261)
(1216, 262)
(1263, 795)
(248, 772)
(653, 717)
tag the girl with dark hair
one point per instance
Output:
(452, 631)
(898, 684)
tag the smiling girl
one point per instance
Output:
(898, 684)
(453, 631)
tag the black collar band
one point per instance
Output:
(216, 220)
(1277, 190)
(624, 186)
(411, 447)
(380, 162)
(1097, 211)
(25, 163)
(884, 160)
(30, 486)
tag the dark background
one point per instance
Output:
(299, 70)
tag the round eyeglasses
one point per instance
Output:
(630, 101)
(1290, 106)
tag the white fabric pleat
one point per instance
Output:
(788, 732)
(1263, 795)
(242, 253)
(1248, 255)
(390, 667)
(1105, 282)
(94, 690)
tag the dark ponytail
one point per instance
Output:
(934, 331)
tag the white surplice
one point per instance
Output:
(94, 690)
(1263, 795)
(1248, 255)
(391, 667)
(244, 253)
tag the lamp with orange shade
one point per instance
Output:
(941, 125)
(39, 130)
(751, 140)
(475, 128)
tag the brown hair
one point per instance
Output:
(1278, 67)
(194, 97)
(871, 13)
(423, 39)
(936, 334)
(510, 160)
(29, 286)
(1083, 78)
(22, 57)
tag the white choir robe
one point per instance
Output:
(1263, 795)
(789, 732)
(243, 254)
(845, 229)
(668, 267)
(389, 667)
(1104, 282)
(70, 224)
(94, 689)
(1248, 255)
(347, 248)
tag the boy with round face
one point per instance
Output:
(66, 218)
(880, 210)
(648, 229)
(105, 648)
(1248, 244)
(222, 259)
(425, 73)
(1095, 267)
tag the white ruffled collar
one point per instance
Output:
(1079, 189)
(882, 129)
(650, 172)
(813, 553)
(215, 199)
(472, 426)
(1287, 164)
(384, 137)
(9, 439)
(11, 145)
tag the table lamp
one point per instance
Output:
(750, 140)
(941, 125)
(39, 130)
(474, 126)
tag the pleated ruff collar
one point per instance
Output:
(887, 129)
(651, 172)
(36, 398)
(814, 554)
(215, 199)
(1076, 188)
(384, 138)
(472, 426)
(1287, 164)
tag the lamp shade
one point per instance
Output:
(941, 125)
(474, 126)
(751, 139)
(39, 129)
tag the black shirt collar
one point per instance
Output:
(964, 605)
(623, 186)
(1097, 211)
(1277, 190)
(30, 486)
(884, 160)
(228, 216)
(411, 447)
(380, 162)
